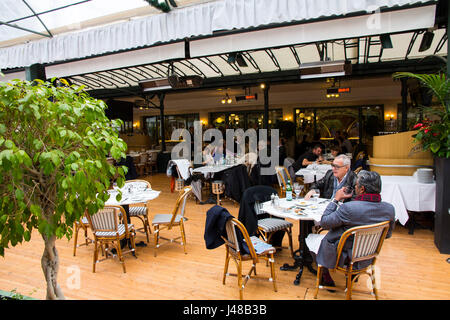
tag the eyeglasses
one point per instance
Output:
(335, 166)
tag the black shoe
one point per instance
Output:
(141, 244)
(328, 284)
(209, 201)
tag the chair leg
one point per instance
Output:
(272, 271)
(183, 235)
(290, 242)
(75, 241)
(239, 276)
(227, 261)
(133, 243)
(95, 255)
(349, 284)
(120, 255)
(156, 238)
(374, 283)
(319, 276)
(86, 238)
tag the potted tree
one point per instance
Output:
(54, 143)
(434, 135)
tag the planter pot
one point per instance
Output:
(442, 217)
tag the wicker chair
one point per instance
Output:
(82, 224)
(152, 161)
(142, 166)
(141, 210)
(168, 221)
(108, 230)
(233, 250)
(367, 242)
(282, 176)
(268, 226)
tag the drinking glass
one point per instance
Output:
(297, 189)
(316, 195)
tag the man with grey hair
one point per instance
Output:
(366, 208)
(339, 176)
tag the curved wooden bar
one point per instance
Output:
(398, 154)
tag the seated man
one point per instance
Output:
(339, 176)
(366, 208)
(309, 157)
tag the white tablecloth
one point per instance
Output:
(311, 210)
(135, 196)
(214, 169)
(318, 170)
(405, 193)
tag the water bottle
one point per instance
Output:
(288, 191)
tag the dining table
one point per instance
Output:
(313, 172)
(406, 193)
(306, 212)
(132, 193)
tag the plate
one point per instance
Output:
(313, 207)
(302, 203)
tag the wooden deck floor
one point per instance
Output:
(410, 267)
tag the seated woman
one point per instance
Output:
(335, 150)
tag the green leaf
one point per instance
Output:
(27, 235)
(36, 210)
(19, 194)
(9, 144)
(69, 207)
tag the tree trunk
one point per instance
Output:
(50, 266)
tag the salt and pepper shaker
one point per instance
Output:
(277, 201)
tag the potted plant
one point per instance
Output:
(434, 135)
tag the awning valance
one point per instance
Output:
(193, 21)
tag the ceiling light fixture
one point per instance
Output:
(226, 99)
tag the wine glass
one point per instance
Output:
(298, 189)
(316, 195)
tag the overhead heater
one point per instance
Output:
(171, 82)
(325, 69)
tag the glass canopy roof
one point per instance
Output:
(20, 19)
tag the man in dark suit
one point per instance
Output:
(339, 176)
(366, 208)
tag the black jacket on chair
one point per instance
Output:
(215, 229)
(216, 219)
(247, 214)
(236, 181)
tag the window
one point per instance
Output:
(361, 123)
(253, 119)
(171, 122)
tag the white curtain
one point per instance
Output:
(182, 23)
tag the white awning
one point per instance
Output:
(192, 21)
(345, 28)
